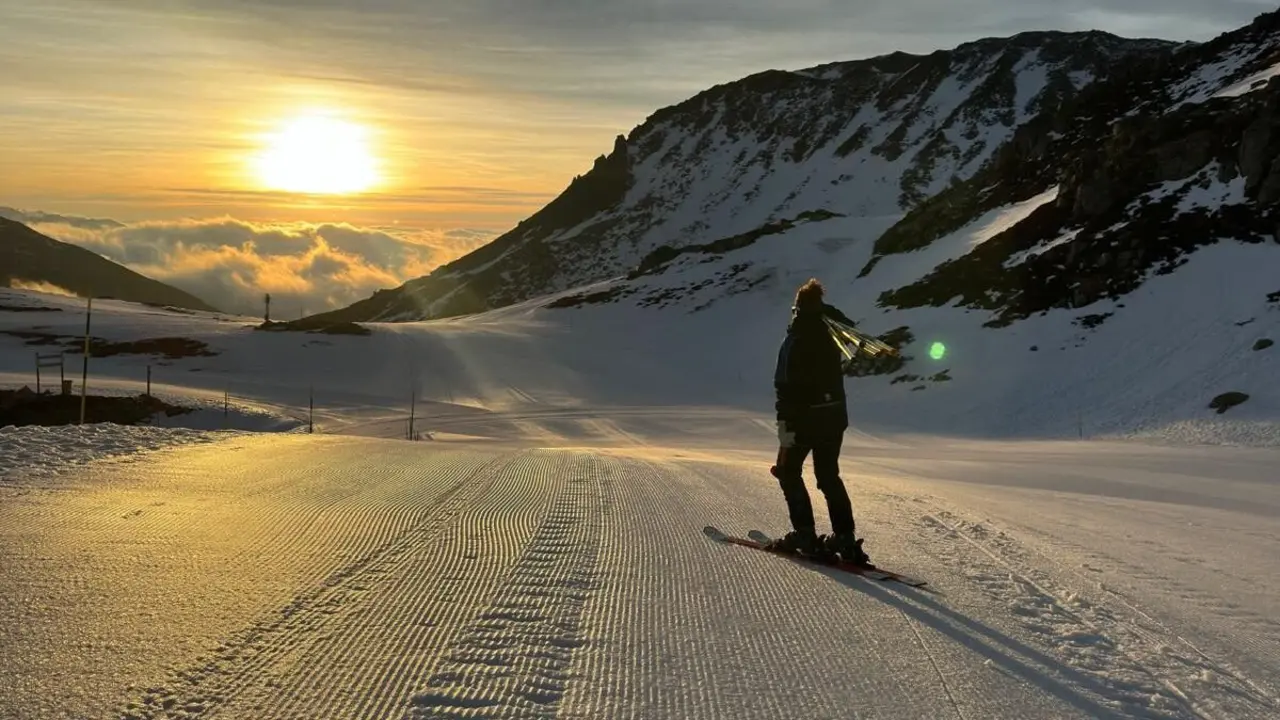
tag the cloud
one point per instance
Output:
(41, 287)
(231, 263)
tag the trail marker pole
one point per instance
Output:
(84, 378)
(413, 406)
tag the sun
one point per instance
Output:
(317, 153)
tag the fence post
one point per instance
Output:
(84, 378)
(311, 409)
(413, 404)
(148, 380)
(37, 373)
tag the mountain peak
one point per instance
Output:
(871, 138)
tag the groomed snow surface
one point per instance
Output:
(349, 577)
(539, 553)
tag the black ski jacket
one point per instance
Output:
(809, 379)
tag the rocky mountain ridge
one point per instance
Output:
(866, 138)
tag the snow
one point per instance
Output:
(1213, 194)
(1003, 219)
(897, 270)
(343, 576)
(1021, 257)
(39, 452)
(1251, 83)
(539, 552)
(1030, 76)
(1222, 77)
(1202, 189)
(694, 177)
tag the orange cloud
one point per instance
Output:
(306, 267)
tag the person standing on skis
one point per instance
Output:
(812, 416)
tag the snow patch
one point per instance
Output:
(1030, 78)
(1019, 258)
(1211, 80)
(1001, 219)
(1200, 190)
(1214, 194)
(33, 452)
(1255, 81)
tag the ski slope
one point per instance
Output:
(288, 575)
(540, 553)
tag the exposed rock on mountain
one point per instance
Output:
(1176, 152)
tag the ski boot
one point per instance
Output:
(800, 542)
(847, 548)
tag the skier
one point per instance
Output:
(812, 417)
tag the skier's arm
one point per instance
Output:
(789, 379)
(834, 313)
(784, 381)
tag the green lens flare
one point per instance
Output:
(937, 351)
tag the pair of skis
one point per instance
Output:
(846, 335)
(759, 541)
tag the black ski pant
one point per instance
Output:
(826, 469)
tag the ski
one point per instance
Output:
(874, 573)
(758, 540)
(846, 335)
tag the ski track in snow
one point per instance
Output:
(327, 576)
(1140, 669)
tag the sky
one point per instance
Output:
(144, 124)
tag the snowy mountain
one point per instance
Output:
(868, 138)
(30, 259)
(1109, 265)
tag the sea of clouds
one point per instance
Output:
(230, 263)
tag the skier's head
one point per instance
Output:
(809, 297)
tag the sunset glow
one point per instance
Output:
(316, 153)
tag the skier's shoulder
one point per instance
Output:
(836, 314)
